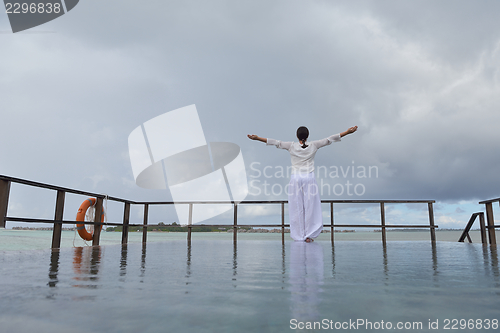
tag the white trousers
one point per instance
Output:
(304, 207)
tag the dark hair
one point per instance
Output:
(302, 135)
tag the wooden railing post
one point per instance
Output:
(145, 223)
(382, 220)
(58, 216)
(484, 238)
(4, 200)
(465, 233)
(282, 223)
(97, 221)
(190, 221)
(235, 224)
(331, 221)
(491, 223)
(431, 221)
(126, 221)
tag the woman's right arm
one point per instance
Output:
(258, 138)
(271, 142)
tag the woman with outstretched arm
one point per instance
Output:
(304, 203)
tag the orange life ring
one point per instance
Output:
(80, 216)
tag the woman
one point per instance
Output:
(304, 203)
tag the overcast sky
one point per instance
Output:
(420, 78)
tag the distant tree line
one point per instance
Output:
(174, 227)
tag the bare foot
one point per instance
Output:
(309, 240)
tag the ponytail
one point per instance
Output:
(302, 135)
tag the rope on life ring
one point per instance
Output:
(80, 216)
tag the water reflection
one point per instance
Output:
(188, 264)
(86, 261)
(385, 262)
(53, 268)
(333, 260)
(143, 262)
(123, 262)
(235, 263)
(435, 270)
(306, 277)
(487, 257)
(283, 266)
(492, 251)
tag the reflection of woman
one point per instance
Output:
(304, 203)
(306, 278)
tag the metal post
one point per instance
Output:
(382, 219)
(283, 223)
(145, 223)
(331, 221)
(491, 223)
(97, 221)
(431, 221)
(58, 216)
(4, 200)
(126, 221)
(235, 224)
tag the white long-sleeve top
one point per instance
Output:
(303, 158)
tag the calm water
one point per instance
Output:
(257, 286)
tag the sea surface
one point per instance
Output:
(255, 285)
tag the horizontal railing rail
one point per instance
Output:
(60, 188)
(489, 201)
(277, 201)
(58, 221)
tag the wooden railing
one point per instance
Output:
(482, 227)
(490, 220)
(5, 184)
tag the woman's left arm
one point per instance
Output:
(349, 131)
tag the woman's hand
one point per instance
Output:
(256, 137)
(350, 130)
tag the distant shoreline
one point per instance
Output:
(40, 229)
